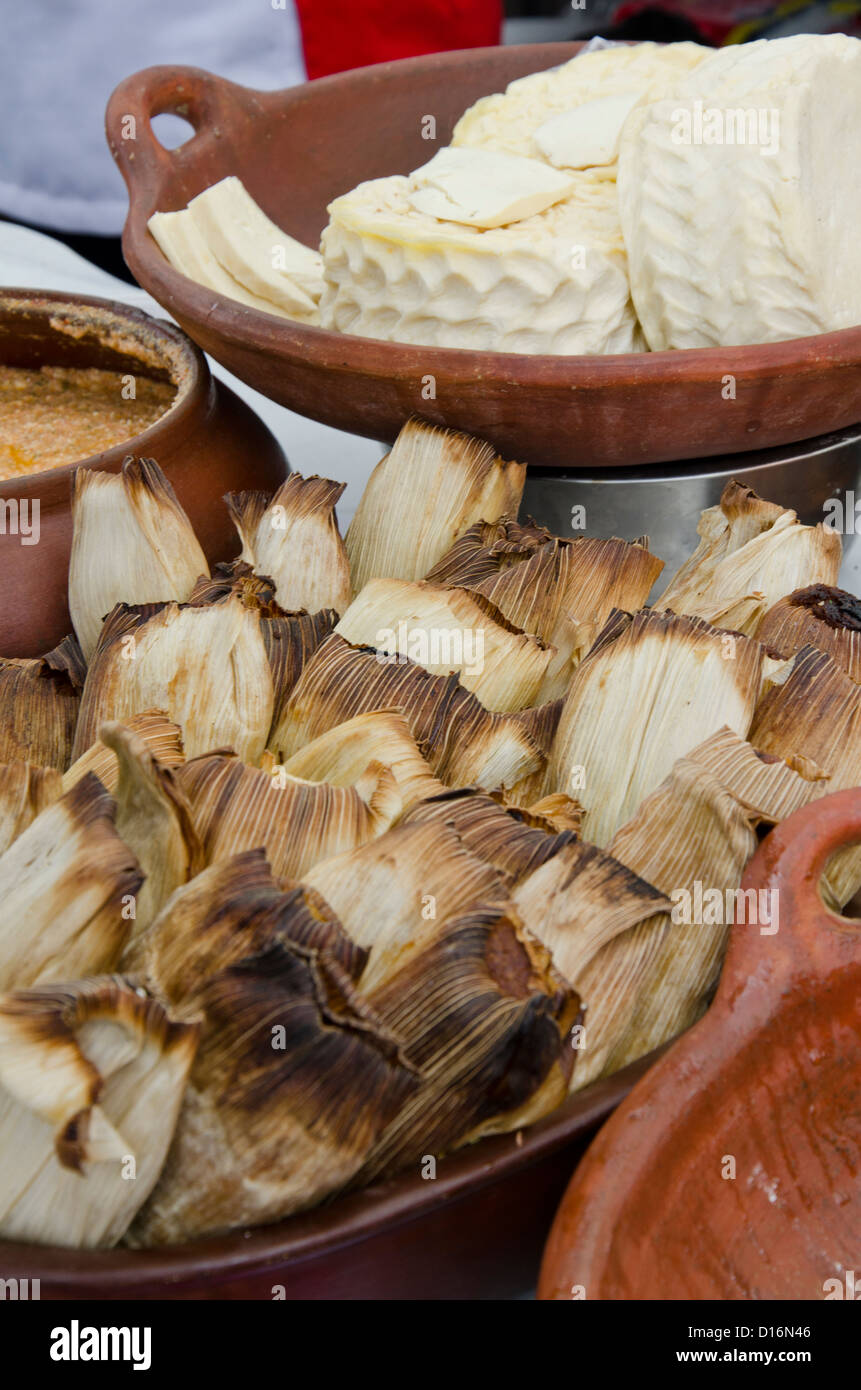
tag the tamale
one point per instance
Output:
(432, 486)
(297, 823)
(652, 687)
(25, 791)
(514, 842)
(39, 704)
(162, 738)
(294, 1080)
(817, 616)
(293, 538)
(341, 755)
(751, 553)
(91, 1080)
(69, 887)
(206, 667)
(131, 543)
(449, 631)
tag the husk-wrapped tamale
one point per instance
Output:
(160, 735)
(513, 841)
(817, 616)
(25, 792)
(341, 756)
(39, 703)
(92, 1075)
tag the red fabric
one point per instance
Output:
(340, 34)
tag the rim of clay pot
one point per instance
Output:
(131, 335)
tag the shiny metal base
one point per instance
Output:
(664, 502)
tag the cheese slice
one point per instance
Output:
(254, 250)
(182, 243)
(588, 134)
(482, 188)
(740, 200)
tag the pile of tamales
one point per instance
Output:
(352, 851)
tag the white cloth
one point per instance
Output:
(61, 59)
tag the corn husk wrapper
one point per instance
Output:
(91, 1080)
(561, 590)
(446, 631)
(768, 786)
(39, 704)
(206, 667)
(162, 738)
(463, 743)
(490, 1038)
(814, 715)
(131, 543)
(69, 886)
(515, 843)
(751, 553)
(297, 823)
(293, 538)
(822, 617)
(229, 911)
(653, 686)
(25, 792)
(294, 1081)
(342, 755)
(394, 894)
(432, 486)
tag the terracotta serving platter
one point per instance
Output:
(473, 1232)
(296, 150)
(733, 1169)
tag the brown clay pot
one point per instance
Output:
(298, 149)
(771, 1079)
(208, 443)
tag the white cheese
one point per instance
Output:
(587, 134)
(483, 188)
(184, 246)
(740, 198)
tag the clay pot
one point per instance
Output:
(208, 443)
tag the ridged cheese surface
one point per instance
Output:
(732, 243)
(555, 282)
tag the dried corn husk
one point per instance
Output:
(490, 1038)
(514, 842)
(294, 1080)
(68, 886)
(205, 666)
(230, 911)
(25, 791)
(91, 1079)
(562, 590)
(132, 543)
(341, 756)
(818, 616)
(651, 688)
(751, 553)
(154, 819)
(424, 494)
(39, 703)
(446, 631)
(394, 894)
(236, 807)
(161, 737)
(768, 786)
(814, 715)
(463, 742)
(293, 538)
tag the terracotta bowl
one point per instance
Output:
(296, 150)
(209, 442)
(733, 1170)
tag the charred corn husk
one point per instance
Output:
(91, 1080)
(341, 756)
(449, 631)
(651, 688)
(293, 538)
(39, 704)
(206, 667)
(751, 553)
(394, 894)
(69, 887)
(818, 616)
(294, 1081)
(161, 737)
(236, 807)
(227, 912)
(514, 842)
(25, 791)
(432, 486)
(490, 1038)
(768, 786)
(131, 543)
